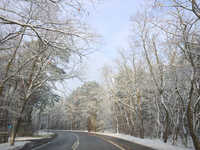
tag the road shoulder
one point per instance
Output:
(34, 143)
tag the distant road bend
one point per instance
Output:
(69, 140)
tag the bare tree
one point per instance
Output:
(40, 42)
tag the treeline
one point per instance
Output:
(41, 42)
(86, 108)
(154, 84)
(153, 88)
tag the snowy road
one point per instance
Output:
(87, 141)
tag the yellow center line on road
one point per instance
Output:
(110, 142)
(74, 147)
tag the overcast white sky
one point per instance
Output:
(112, 20)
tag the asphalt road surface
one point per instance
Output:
(68, 140)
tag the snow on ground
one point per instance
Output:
(43, 133)
(153, 143)
(6, 146)
(20, 141)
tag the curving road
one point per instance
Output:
(69, 140)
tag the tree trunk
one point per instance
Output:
(48, 124)
(117, 127)
(190, 122)
(38, 125)
(16, 122)
(142, 130)
(167, 127)
(89, 124)
(95, 121)
(13, 133)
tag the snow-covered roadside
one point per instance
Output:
(21, 141)
(153, 143)
(6, 146)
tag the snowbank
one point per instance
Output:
(153, 143)
(6, 146)
(43, 133)
(21, 141)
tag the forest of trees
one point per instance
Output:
(42, 42)
(152, 89)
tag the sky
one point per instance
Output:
(111, 19)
